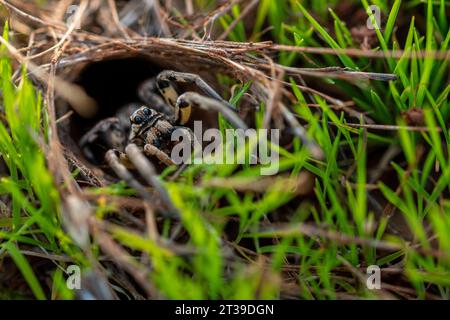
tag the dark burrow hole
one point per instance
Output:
(114, 83)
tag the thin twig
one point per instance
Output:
(241, 16)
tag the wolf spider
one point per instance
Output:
(129, 141)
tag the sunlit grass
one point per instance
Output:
(341, 203)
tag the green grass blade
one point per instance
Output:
(26, 270)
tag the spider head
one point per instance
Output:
(143, 119)
(142, 116)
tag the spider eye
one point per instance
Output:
(147, 111)
(137, 120)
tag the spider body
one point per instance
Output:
(138, 135)
(149, 126)
(152, 131)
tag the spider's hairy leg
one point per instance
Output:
(148, 172)
(125, 161)
(123, 173)
(164, 83)
(193, 99)
(148, 93)
(188, 135)
(152, 151)
(109, 132)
